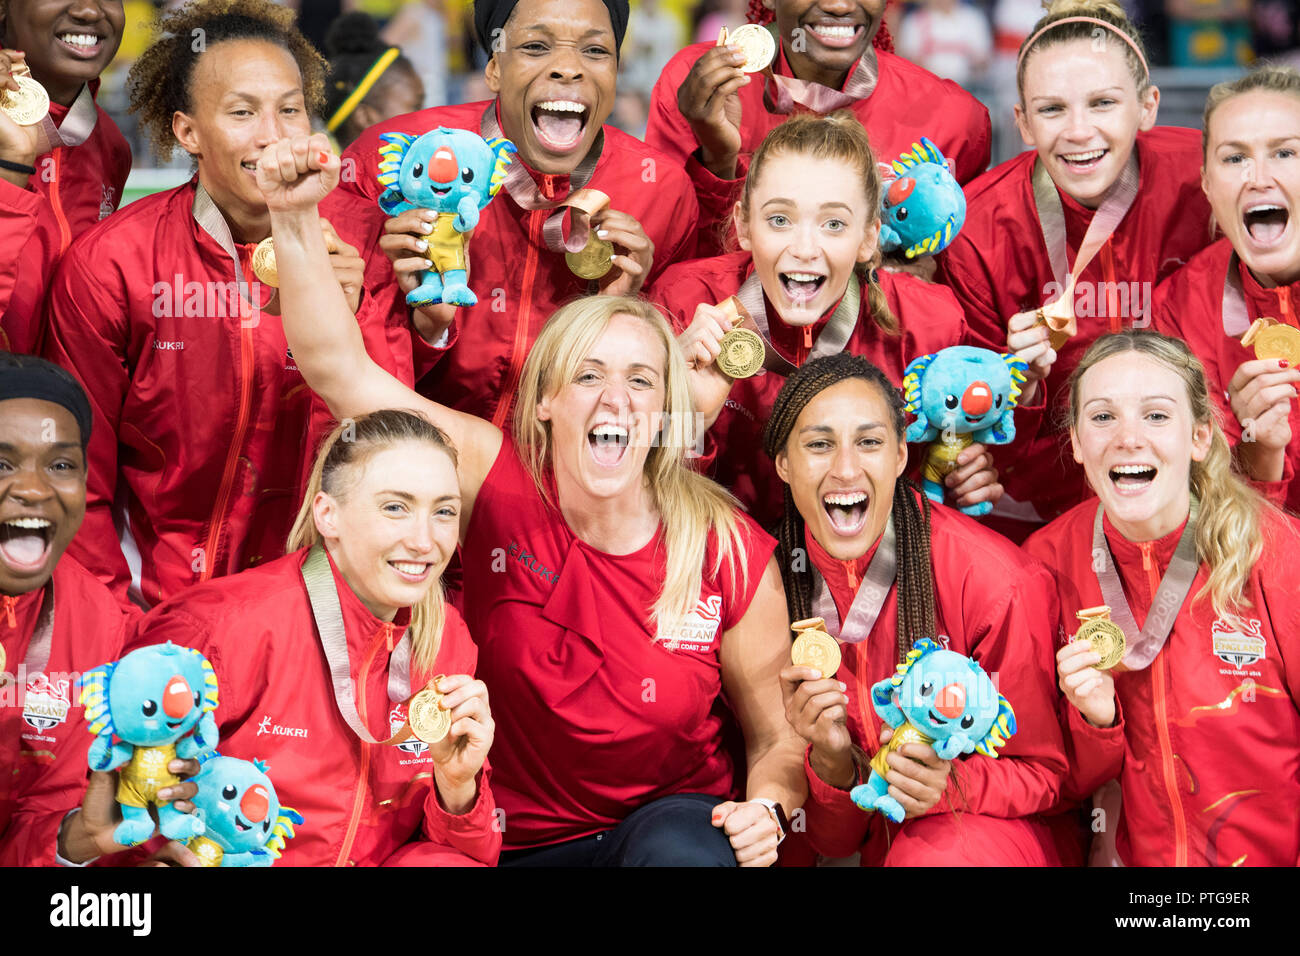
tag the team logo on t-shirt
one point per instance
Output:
(699, 629)
(396, 721)
(1235, 648)
(46, 703)
(106, 204)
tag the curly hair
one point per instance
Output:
(160, 80)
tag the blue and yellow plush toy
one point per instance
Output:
(455, 172)
(151, 706)
(244, 823)
(960, 395)
(937, 697)
(922, 207)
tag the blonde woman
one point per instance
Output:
(615, 595)
(1252, 178)
(1200, 721)
(317, 654)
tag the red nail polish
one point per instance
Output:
(1284, 363)
(322, 157)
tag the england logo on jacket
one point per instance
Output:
(1235, 648)
(699, 629)
(396, 721)
(47, 702)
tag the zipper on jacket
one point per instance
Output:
(1284, 305)
(1170, 773)
(232, 456)
(518, 351)
(1149, 566)
(10, 603)
(363, 775)
(56, 203)
(1108, 274)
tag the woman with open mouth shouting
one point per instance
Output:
(615, 595)
(711, 108)
(809, 224)
(1083, 227)
(1199, 719)
(1252, 177)
(201, 441)
(864, 550)
(553, 65)
(318, 654)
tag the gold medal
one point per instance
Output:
(814, 647)
(1105, 636)
(1057, 333)
(1273, 340)
(29, 105)
(593, 260)
(264, 263)
(756, 43)
(428, 720)
(742, 353)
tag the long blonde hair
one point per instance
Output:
(1109, 11)
(348, 447)
(1228, 538)
(1267, 79)
(690, 506)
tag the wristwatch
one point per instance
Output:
(778, 815)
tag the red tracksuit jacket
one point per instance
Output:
(43, 736)
(908, 102)
(994, 606)
(360, 802)
(1206, 744)
(518, 281)
(201, 417)
(29, 250)
(998, 266)
(1190, 306)
(927, 314)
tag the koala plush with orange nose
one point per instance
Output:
(961, 395)
(153, 705)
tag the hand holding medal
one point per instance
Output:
(814, 647)
(1261, 393)
(453, 717)
(1084, 666)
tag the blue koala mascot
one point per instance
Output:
(153, 705)
(937, 697)
(455, 172)
(960, 395)
(244, 823)
(922, 207)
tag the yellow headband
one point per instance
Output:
(363, 88)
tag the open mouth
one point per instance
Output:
(560, 124)
(413, 571)
(440, 191)
(1132, 477)
(935, 718)
(173, 724)
(249, 165)
(25, 542)
(608, 444)
(847, 511)
(1084, 162)
(85, 46)
(836, 35)
(241, 826)
(801, 287)
(1266, 222)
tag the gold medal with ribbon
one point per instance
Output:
(755, 42)
(426, 716)
(742, 349)
(1273, 340)
(814, 647)
(595, 258)
(30, 104)
(1105, 636)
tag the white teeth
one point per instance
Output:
(1266, 207)
(409, 567)
(834, 33)
(1132, 469)
(847, 499)
(609, 431)
(562, 106)
(33, 524)
(79, 39)
(803, 276)
(1084, 157)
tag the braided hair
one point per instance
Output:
(760, 14)
(911, 509)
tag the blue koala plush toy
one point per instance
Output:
(153, 705)
(244, 823)
(922, 207)
(456, 173)
(960, 395)
(937, 697)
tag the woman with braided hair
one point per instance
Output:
(860, 545)
(830, 54)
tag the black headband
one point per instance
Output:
(491, 16)
(24, 376)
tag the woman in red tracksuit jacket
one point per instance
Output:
(710, 116)
(836, 436)
(519, 280)
(613, 592)
(383, 504)
(201, 441)
(809, 208)
(1088, 110)
(56, 619)
(1251, 273)
(1200, 723)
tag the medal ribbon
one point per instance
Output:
(38, 649)
(1167, 602)
(868, 600)
(211, 221)
(324, 597)
(1051, 219)
(582, 203)
(77, 126)
(834, 336)
(782, 93)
